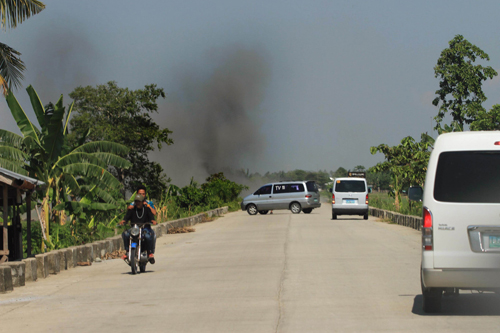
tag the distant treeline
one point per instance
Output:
(322, 177)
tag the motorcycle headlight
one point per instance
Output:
(134, 231)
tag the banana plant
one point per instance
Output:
(44, 153)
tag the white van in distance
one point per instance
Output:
(350, 197)
(461, 217)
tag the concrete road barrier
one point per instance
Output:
(18, 269)
(30, 272)
(42, 268)
(54, 262)
(5, 279)
(68, 254)
(413, 222)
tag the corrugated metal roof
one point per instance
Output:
(17, 180)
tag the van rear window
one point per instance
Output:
(350, 186)
(312, 187)
(468, 176)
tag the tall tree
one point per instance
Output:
(12, 13)
(125, 116)
(460, 91)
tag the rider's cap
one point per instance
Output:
(139, 197)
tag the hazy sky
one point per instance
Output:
(335, 77)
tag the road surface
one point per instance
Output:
(264, 273)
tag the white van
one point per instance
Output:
(461, 217)
(349, 197)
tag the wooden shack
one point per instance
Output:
(13, 187)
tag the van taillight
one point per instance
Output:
(333, 199)
(427, 230)
(366, 202)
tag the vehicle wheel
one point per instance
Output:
(365, 216)
(133, 261)
(334, 216)
(431, 298)
(307, 210)
(295, 207)
(142, 268)
(263, 212)
(252, 209)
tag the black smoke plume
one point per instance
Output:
(216, 119)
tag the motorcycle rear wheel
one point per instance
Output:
(142, 268)
(133, 261)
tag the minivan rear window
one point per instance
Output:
(312, 187)
(468, 176)
(350, 186)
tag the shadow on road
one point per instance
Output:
(130, 273)
(487, 304)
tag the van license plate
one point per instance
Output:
(350, 201)
(494, 241)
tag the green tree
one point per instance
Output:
(44, 153)
(340, 172)
(359, 168)
(406, 162)
(125, 116)
(487, 121)
(12, 13)
(460, 91)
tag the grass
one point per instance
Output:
(384, 201)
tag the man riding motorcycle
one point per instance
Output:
(140, 214)
(141, 189)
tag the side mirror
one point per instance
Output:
(415, 193)
(330, 190)
(369, 190)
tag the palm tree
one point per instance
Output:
(12, 13)
(45, 154)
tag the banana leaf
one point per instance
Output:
(22, 120)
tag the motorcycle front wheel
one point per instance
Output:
(133, 261)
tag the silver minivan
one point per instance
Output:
(296, 196)
(349, 197)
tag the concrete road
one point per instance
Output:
(265, 273)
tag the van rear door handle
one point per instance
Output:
(270, 196)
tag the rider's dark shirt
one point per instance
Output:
(139, 215)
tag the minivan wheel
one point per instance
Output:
(251, 209)
(307, 210)
(431, 298)
(365, 216)
(295, 207)
(263, 212)
(334, 216)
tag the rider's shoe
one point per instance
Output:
(151, 258)
(125, 256)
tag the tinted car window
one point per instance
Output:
(350, 186)
(468, 176)
(296, 188)
(288, 188)
(312, 187)
(264, 190)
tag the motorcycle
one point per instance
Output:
(137, 256)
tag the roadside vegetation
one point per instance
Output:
(461, 71)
